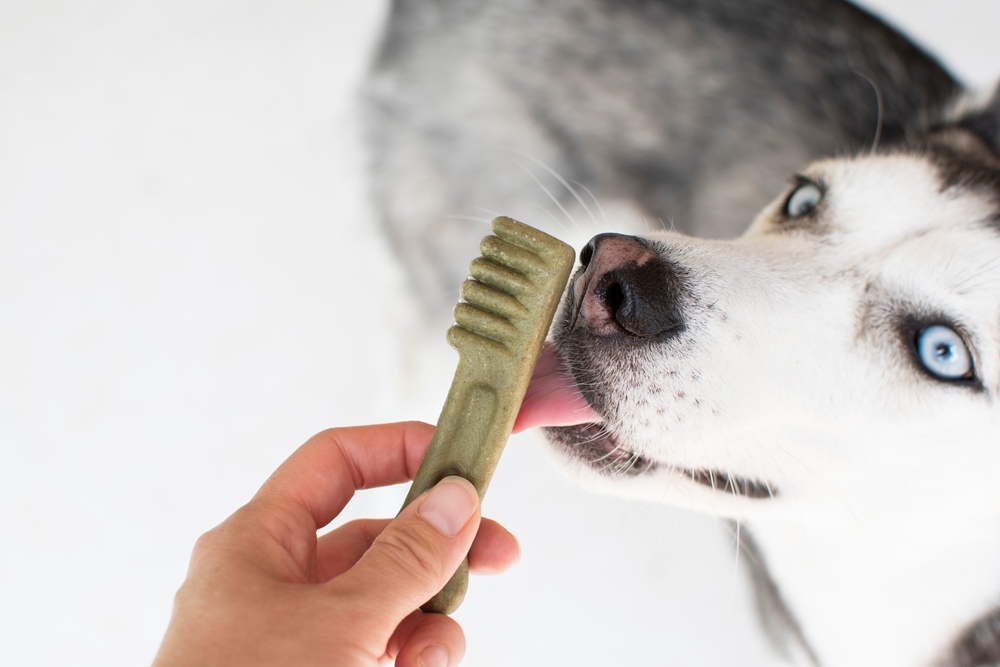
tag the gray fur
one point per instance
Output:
(690, 113)
(978, 646)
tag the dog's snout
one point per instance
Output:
(626, 288)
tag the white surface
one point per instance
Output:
(961, 33)
(191, 285)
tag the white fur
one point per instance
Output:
(884, 537)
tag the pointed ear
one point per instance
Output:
(984, 122)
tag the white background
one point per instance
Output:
(191, 284)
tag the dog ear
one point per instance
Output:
(984, 122)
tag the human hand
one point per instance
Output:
(262, 589)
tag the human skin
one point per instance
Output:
(262, 589)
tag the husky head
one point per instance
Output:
(846, 346)
(831, 376)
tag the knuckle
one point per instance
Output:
(210, 548)
(203, 546)
(185, 595)
(415, 554)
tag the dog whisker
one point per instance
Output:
(489, 212)
(470, 218)
(553, 218)
(607, 224)
(565, 184)
(736, 568)
(551, 196)
(878, 119)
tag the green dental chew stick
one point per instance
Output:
(506, 309)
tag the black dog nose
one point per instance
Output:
(626, 288)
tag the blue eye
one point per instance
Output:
(943, 353)
(803, 200)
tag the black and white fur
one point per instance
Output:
(774, 378)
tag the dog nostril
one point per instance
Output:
(613, 297)
(642, 300)
(586, 254)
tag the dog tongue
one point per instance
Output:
(552, 398)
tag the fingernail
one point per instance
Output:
(449, 505)
(433, 656)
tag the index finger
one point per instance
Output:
(322, 475)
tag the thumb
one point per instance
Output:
(416, 555)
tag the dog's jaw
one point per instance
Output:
(597, 447)
(556, 402)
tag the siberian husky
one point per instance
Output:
(829, 379)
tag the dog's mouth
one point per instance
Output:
(554, 402)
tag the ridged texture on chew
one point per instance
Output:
(500, 324)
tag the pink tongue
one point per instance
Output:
(552, 398)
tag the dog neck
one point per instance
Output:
(908, 595)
